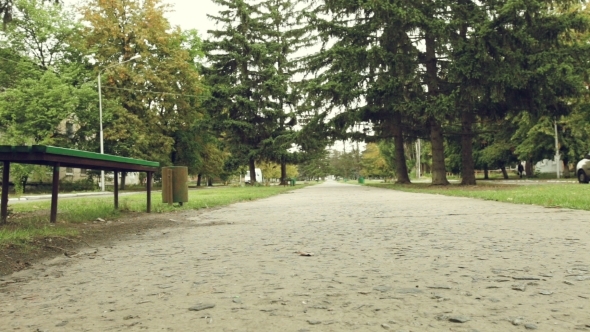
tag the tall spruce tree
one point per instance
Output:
(235, 53)
(368, 66)
(284, 35)
(249, 75)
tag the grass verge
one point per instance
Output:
(29, 221)
(566, 195)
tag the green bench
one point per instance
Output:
(61, 157)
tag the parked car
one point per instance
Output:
(583, 169)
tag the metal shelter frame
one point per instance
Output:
(58, 157)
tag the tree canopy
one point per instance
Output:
(483, 84)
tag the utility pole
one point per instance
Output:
(556, 150)
(418, 162)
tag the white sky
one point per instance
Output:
(192, 14)
(188, 14)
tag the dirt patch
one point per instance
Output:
(90, 234)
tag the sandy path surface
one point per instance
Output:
(382, 260)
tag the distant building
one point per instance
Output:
(548, 166)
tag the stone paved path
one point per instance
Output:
(382, 260)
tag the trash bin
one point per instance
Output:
(292, 182)
(361, 180)
(175, 184)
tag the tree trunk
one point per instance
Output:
(467, 163)
(566, 169)
(252, 165)
(199, 176)
(25, 180)
(439, 172)
(486, 175)
(528, 168)
(283, 173)
(123, 176)
(401, 167)
(504, 173)
(209, 181)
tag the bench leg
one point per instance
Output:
(5, 188)
(116, 190)
(149, 191)
(54, 193)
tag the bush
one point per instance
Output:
(79, 185)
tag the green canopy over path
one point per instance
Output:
(58, 157)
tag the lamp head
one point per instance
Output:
(135, 57)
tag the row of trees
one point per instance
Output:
(50, 57)
(165, 105)
(483, 82)
(487, 77)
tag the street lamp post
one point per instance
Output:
(135, 57)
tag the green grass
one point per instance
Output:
(565, 195)
(31, 219)
(22, 233)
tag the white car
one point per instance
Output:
(583, 169)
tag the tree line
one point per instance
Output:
(484, 83)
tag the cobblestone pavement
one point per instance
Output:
(382, 260)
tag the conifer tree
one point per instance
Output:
(250, 75)
(235, 53)
(284, 35)
(370, 69)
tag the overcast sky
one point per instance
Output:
(192, 14)
(188, 14)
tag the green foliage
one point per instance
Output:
(237, 73)
(479, 61)
(251, 78)
(32, 111)
(42, 31)
(80, 185)
(373, 164)
(271, 170)
(491, 77)
(160, 94)
(20, 173)
(318, 166)
(345, 164)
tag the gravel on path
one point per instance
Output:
(330, 257)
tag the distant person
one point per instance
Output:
(520, 169)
